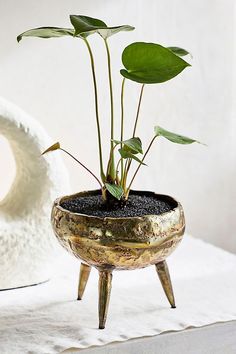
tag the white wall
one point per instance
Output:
(51, 80)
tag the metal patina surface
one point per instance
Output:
(119, 243)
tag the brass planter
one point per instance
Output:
(119, 243)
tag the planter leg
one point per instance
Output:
(104, 287)
(83, 278)
(164, 276)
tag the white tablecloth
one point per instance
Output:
(47, 318)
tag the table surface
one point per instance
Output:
(48, 319)
(212, 339)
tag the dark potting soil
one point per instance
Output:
(137, 205)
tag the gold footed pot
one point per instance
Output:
(117, 243)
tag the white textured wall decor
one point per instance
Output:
(51, 79)
(28, 248)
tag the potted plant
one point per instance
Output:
(116, 227)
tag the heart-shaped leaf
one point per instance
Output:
(53, 147)
(110, 31)
(85, 26)
(134, 145)
(47, 32)
(128, 155)
(150, 63)
(179, 51)
(175, 138)
(116, 191)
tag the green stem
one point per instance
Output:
(86, 168)
(125, 175)
(109, 162)
(117, 171)
(136, 121)
(111, 165)
(136, 171)
(138, 109)
(96, 109)
(122, 125)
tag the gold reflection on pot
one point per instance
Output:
(119, 243)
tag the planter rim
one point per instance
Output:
(58, 201)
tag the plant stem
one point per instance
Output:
(109, 162)
(117, 171)
(96, 109)
(136, 121)
(122, 125)
(125, 175)
(117, 166)
(86, 168)
(111, 165)
(138, 110)
(136, 171)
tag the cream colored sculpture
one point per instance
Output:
(28, 248)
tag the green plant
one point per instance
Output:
(144, 63)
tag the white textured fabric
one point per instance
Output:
(28, 247)
(48, 319)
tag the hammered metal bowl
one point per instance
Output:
(119, 243)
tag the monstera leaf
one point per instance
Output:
(150, 63)
(47, 32)
(85, 26)
(174, 138)
(53, 147)
(125, 154)
(179, 51)
(133, 145)
(116, 191)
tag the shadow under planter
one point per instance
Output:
(119, 243)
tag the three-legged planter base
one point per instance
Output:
(104, 287)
